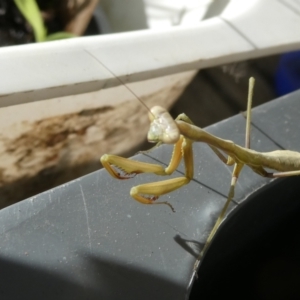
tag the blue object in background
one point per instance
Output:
(287, 78)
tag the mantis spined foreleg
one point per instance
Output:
(166, 128)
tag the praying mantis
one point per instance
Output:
(182, 133)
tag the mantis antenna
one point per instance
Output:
(163, 128)
(121, 81)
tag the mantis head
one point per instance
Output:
(163, 128)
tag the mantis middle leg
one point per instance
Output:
(235, 173)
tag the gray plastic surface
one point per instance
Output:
(88, 239)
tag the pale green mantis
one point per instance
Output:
(182, 133)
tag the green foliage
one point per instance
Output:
(59, 36)
(31, 12)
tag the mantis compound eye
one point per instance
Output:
(163, 128)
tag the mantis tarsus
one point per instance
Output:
(182, 133)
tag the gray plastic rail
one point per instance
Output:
(88, 239)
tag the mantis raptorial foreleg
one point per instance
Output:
(149, 193)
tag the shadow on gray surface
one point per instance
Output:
(109, 281)
(19, 281)
(191, 246)
(256, 252)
